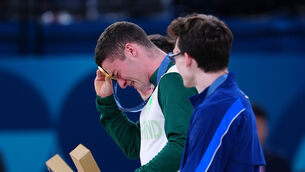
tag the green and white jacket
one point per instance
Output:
(159, 137)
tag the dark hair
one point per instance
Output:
(112, 41)
(165, 43)
(204, 37)
(259, 111)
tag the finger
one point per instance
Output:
(108, 80)
(100, 75)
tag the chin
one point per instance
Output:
(188, 84)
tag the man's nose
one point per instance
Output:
(122, 83)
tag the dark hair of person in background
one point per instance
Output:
(276, 162)
(259, 111)
(210, 48)
(163, 42)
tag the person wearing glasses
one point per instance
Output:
(126, 57)
(222, 134)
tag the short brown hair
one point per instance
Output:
(204, 37)
(112, 41)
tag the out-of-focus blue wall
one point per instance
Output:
(48, 101)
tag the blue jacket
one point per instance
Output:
(222, 134)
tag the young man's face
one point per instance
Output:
(182, 67)
(128, 72)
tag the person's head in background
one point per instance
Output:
(203, 46)
(261, 122)
(163, 42)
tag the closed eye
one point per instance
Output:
(115, 75)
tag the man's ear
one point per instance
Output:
(130, 49)
(188, 59)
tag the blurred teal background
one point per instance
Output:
(47, 69)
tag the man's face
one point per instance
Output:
(128, 72)
(182, 66)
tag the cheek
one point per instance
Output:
(184, 74)
(179, 66)
(127, 73)
(182, 68)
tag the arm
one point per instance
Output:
(174, 101)
(123, 131)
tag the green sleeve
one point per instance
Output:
(177, 109)
(124, 132)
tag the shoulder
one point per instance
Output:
(173, 94)
(212, 110)
(172, 84)
(216, 108)
(171, 78)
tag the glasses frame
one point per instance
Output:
(172, 56)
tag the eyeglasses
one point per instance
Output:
(172, 56)
(105, 73)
